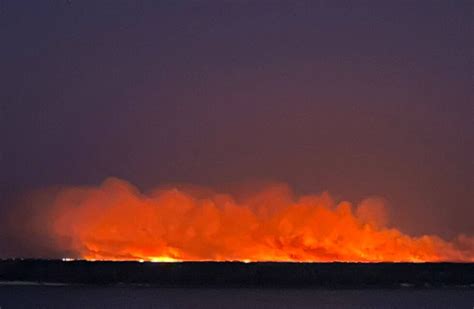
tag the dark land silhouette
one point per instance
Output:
(237, 274)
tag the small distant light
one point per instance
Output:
(67, 259)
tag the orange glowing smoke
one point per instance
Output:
(117, 222)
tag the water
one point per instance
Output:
(18, 296)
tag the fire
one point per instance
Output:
(117, 222)
(162, 259)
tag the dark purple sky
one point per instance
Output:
(355, 97)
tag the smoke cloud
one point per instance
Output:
(115, 221)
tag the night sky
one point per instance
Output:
(358, 98)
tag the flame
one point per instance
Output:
(116, 222)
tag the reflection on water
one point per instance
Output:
(141, 297)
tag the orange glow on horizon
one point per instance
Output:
(117, 222)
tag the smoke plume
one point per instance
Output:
(116, 221)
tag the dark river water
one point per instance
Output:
(22, 296)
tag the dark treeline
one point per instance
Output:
(236, 274)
